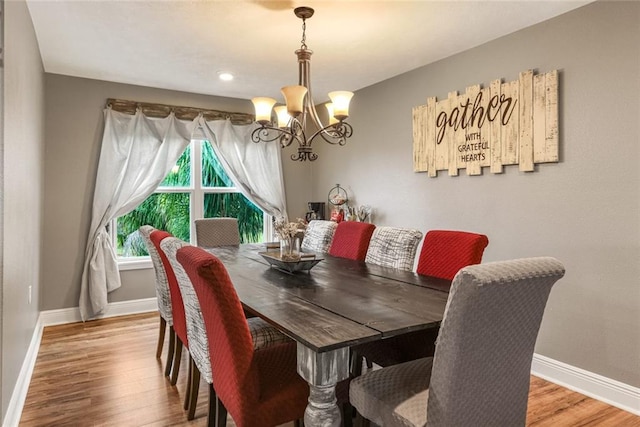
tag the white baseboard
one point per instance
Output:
(19, 395)
(609, 391)
(58, 317)
(72, 315)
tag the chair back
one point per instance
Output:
(351, 240)
(318, 236)
(230, 345)
(445, 252)
(213, 232)
(162, 283)
(394, 247)
(177, 305)
(482, 363)
(196, 333)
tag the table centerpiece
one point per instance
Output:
(289, 233)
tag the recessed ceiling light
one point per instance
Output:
(224, 76)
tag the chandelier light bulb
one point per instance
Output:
(340, 100)
(263, 106)
(294, 97)
(283, 116)
(332, 119)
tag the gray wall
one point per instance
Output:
(22, 190)
(584, 210)
(74, 125)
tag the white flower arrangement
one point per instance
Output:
(364, 213)
(288, 230)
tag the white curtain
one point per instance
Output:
(255, 168)
(137, 153)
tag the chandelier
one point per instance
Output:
(292, 118)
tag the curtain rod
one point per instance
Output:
(183, 113)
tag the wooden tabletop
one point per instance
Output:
(339, 302)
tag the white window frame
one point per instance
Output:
(196, 207)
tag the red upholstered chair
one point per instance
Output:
(259, 388)
(351, 240)
(177, 306)
(445, 252)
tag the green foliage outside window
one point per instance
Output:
(164, 211)
(213, 174)
(180, 175)
(170, 211)
(235, 205)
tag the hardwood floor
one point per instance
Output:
(104, 373)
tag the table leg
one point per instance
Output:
(322, 371)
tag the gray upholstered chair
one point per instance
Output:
(480, 373)
(163, 297)
(394, 247)
(262, 333)
(318, 236)
(212, 232)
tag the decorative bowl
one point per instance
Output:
(305, 263)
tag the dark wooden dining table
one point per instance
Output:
(337, 304)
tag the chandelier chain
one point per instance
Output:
(304, 34)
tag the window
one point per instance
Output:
(177, 202)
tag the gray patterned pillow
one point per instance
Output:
(162, 284)
(394, 247)
(196, 333)
(263, 334)
(318, 236)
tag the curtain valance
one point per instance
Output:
(181, 113)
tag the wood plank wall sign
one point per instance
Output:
(503, 124)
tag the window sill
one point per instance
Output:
(138, 263)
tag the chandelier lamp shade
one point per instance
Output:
(291, 120)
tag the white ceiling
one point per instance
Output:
(182, 45)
